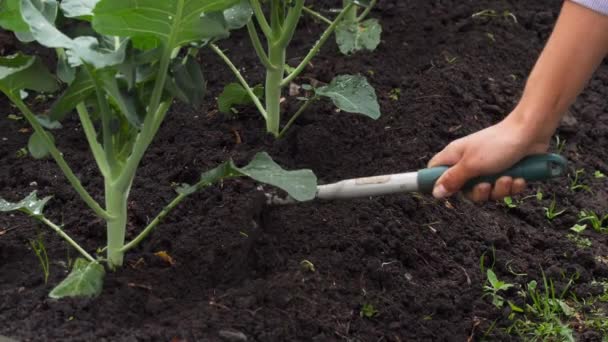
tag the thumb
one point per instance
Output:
(452, 180)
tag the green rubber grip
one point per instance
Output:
(532, 168)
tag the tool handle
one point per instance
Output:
(532, 168)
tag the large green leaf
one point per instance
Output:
(356, 36)
(30, 205)
(81, 49)
(18, 72)
(11, 19)
(85, 280)
(174, 23)
(352, 93)
(299, 184)
(234, 94)
(82, 9)
(10, 16)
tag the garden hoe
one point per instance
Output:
(532, 168)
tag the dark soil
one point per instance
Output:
(416, 260)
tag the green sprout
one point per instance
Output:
(40, 251)
(575, 182)
(395, 94)
(307, 265)
(598, 174)
(598, 223)
(560, 144)
(576, 237)
(552, 212)
(368, 311)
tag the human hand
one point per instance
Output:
(491, 150)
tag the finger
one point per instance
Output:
(502, 188)
(480, 193)
(519, 186)
(450, 155)
(452, 180)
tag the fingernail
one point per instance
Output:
(440, 192)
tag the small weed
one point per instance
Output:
(307, 265)
(575, 182)
(598, 174)
(509, 202)
(552, 212)
(512, 203)
(368, 311)
(490, 13)
(395, 94)
(21, 153)
(560, 144)
(579, 241)
(40, 251)
(542, 315)
(597, 222)
(15, 117)
(493, 287)
(491, 37)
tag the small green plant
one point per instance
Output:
(552, 212)
(40, 251)
(490, 13)
(580, 241)
(350, 93)
(542, 314)
(493, 286)
(307, 265)
(599, 174)
(395, 94)
(15, 117)
(21, 153)
(560, 144)
(597, 222)
(575, 182)
(509, 202)
(368, 311)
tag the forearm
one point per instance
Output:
(576, 47)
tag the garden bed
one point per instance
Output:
(237, 266)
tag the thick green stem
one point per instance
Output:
(116, 204)
(317, 47)
(143, 140)
(241, 79)
(66, 237)
(65, 168)
(296, 115)
(276, 54)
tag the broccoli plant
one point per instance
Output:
(350, 93)
(126, 74)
